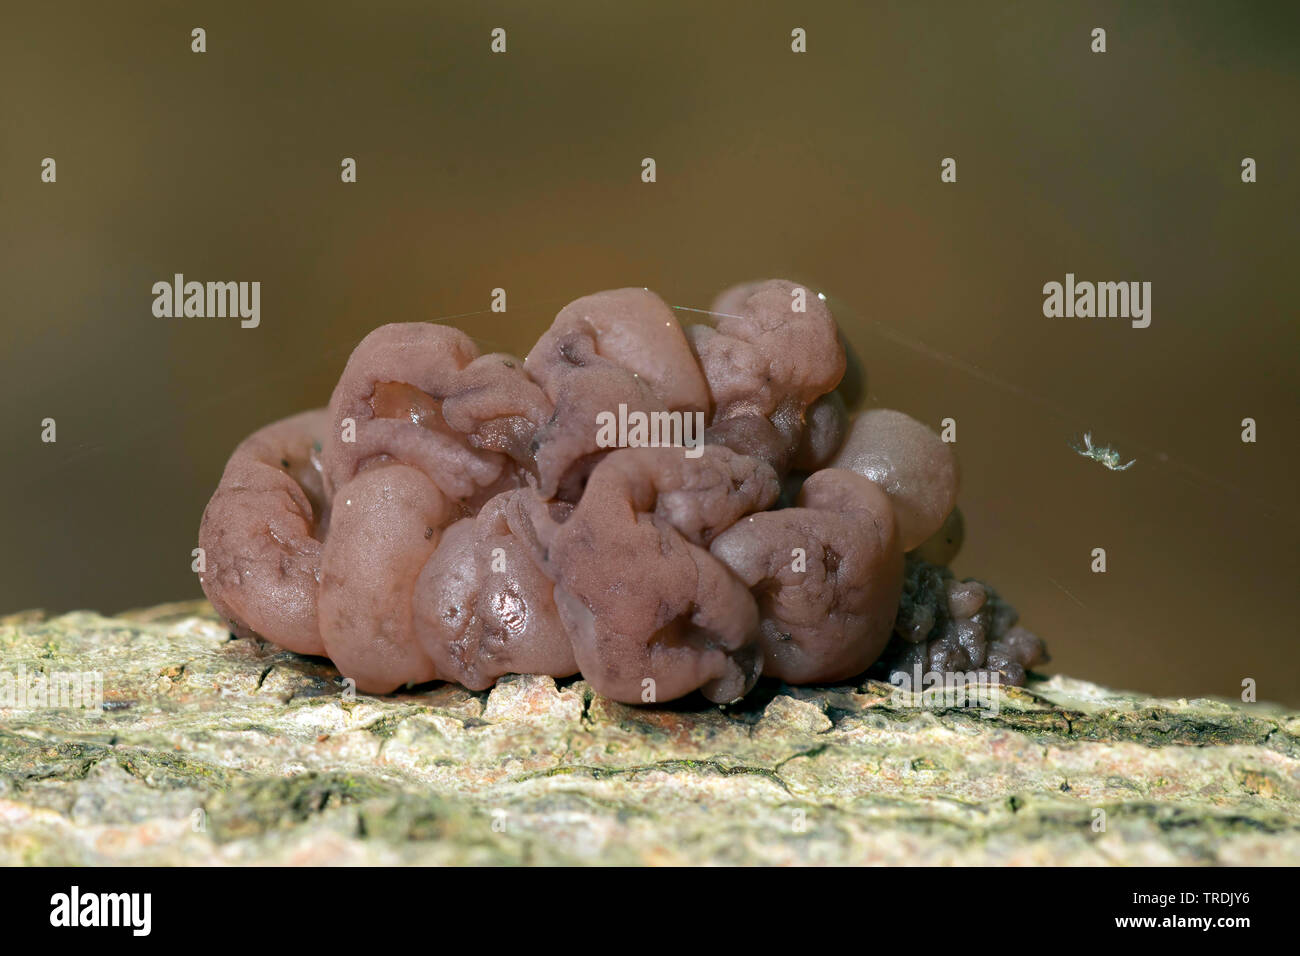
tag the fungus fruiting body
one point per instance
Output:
(456, 516)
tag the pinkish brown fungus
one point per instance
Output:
(261, 534)
(649, 610)
(827, 575)
(910, 463)
(483, 605)
(772, 350)
(388, 405)
(498, 407)
(622, 347)
(385, 526)
(460, 517)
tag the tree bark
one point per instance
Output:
(215, 750)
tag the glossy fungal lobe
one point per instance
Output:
(910, 463)
(261, 534)
(484, 607)
(828, 574)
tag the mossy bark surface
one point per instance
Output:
(211, 750)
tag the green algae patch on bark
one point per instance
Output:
(210, 750)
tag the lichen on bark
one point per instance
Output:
(215, 750)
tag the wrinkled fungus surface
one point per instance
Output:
(456, 516)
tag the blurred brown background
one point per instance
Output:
(523, 171)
